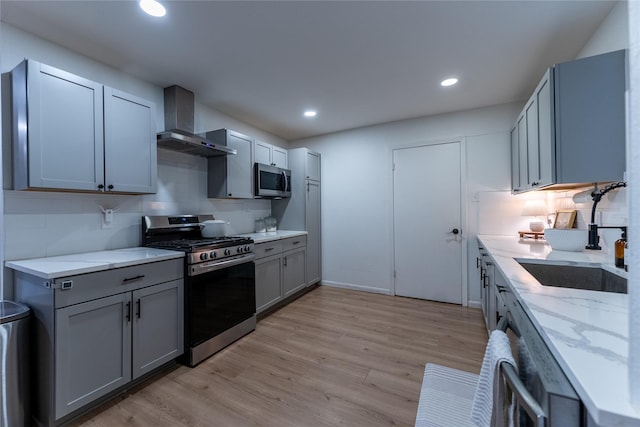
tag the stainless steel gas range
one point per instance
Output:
(220, 303)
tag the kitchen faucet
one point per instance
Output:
(596, 196)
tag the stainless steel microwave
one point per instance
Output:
(272, 182)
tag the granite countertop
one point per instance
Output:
(90, 262)
(587, 331)
(274, 235)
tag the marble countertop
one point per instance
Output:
(90, 262)
(587, 331)
(274, 235)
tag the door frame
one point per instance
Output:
(464, 267)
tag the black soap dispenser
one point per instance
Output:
(620, 248)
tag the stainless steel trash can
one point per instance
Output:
(14, 325)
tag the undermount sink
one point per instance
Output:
(565, 276)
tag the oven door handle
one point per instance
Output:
(219, 265)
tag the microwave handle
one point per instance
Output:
(286, 181)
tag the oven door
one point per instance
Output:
(219, 298)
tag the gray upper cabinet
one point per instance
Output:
(268, 154)
(572, 129)
(230, 176)
(312, 165)
(58, 129)
(130, 147)
(67, 128)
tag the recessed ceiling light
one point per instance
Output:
(449, 82)
(153, 8)
(310, 113)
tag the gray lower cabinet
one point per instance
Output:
(294, 271)
(268, 281)
(95, 333)
(280, 270)
(93, 347)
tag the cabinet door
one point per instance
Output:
(268, 281)
(279, 157)
(540, 139)
(294, 271)
(312, 219)
(515, 161)
(157, 326)
(533, 157)
(239, 167)
(312, 165)
(92, 351)
(523, 151)
(546, 139)
(262, 153)
(65, 132)
(130, 143)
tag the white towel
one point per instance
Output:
(498, 350)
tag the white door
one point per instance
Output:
(427, 215)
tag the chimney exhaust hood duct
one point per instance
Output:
(179, 122)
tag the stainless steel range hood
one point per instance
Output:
(179, 121)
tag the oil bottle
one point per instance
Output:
(620, 248)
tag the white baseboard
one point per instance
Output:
(474, 304)
(356, 287)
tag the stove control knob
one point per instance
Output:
(227, 251)
(212, 254)
(203, 257)
(239, 249)
(247, 248)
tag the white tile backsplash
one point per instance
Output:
(499, 212)
(39, 224)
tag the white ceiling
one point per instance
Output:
(356, 62)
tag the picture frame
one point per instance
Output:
(565, 219)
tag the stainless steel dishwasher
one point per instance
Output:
(540, 373)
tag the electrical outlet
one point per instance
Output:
(107, 218)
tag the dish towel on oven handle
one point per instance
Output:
(498, 350)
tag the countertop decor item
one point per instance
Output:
(572, 240)
(271, 224)
(565, 219)
(535, 208)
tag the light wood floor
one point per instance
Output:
(332, 357)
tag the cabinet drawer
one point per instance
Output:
(86, 287)
(294, 243)
(268, 248)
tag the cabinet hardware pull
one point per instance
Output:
(477, 262)
(489, 263)
(268, 249)
(128, 309)
(296, 242)
(138, 308)
(100, 186)
(131, 279)
(110, 187)
(284, 261)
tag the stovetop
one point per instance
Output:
(182, 233)
(203, 243)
